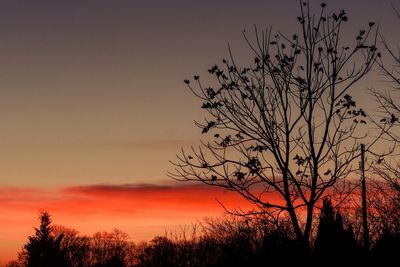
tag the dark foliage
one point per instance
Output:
(229, 242)
(333, 237)
(43, 249)
(386, 248)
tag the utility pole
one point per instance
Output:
(364, 200)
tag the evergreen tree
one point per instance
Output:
(43, 249)
(333, 238)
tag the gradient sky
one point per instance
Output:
(91, 94)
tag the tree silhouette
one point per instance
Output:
(386, 199)
(228, 241)
(109, 248)
(43, 249)
(332, 236)
(160, 252)
(286, 124)
(387, 100)
(75, 247)
(384, 207)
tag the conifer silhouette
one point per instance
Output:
(333, 238)
(43, 249)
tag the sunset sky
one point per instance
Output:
(93, 106)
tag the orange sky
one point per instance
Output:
(142, 211)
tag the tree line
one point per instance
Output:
(229, 241)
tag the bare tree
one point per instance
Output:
(387, 99)
(384, 203)
(75, 247)
(111, 248)
(284, 127)
(386, 198)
